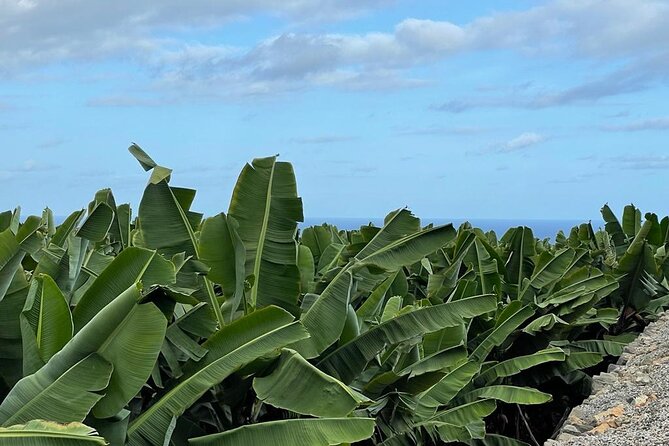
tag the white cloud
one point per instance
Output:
(27, 167)
(642, 162)
(128, 101)
(522, 141)
(39, 32)
(435, 130)
(661, 123)
(636, 75)
(50, 143)
(324, 139)
(33, 33)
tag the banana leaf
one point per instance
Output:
(47, 433)
(266, 205)
(300, 432)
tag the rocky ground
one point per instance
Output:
(630, 403)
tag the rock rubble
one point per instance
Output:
(629, 404)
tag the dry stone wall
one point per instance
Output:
(629, 404)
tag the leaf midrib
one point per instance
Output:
(167, 397)
(261, 238)
(38, 433)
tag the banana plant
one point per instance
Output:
(171, 328)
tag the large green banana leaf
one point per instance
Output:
(165, 222)
(233, 346)
(637, 261)
(133, 352)
(495, 440)
(442, 361)
(445, 338)
(442, 392)
(522, 248)
(454, 424)
(301, 432)
(549, 269)
(318, 239)
(8, 220)
(307, 266)
(112, 429)
(47, 433)
(544, 323)
(300, 387)
(464, 414)
(32, 233)
(371, 307)
(266, 205)
(584, 281)
(397, 225)
(118, 232)
(612, 226)
(69, 397)
(46, 323)
(406, 250)
(501, 332)
(130, 266)
(67, 227)
(326, 317)
(631, 220)
(486, 266)
(123, 333)
(516, 365)
(442, 283)
(508, 394)
(97, 224)
(347, 361)
(605, 347)
(13, 248)
(11, 367)
(221, 248)
(389, 249)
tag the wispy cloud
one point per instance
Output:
(644, 162)
(365, 169)
(522, 142)
(27, 167)
(575, 179)
(49, 143)
(33, 34)
(323, 139)
(128, 101)
(10, 126)
(441, 130)
(637, 75)
(661, 123)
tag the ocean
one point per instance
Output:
(540, 228)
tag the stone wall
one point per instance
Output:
(629, 404)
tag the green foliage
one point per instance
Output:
(170, 327)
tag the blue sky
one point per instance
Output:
(456, 109)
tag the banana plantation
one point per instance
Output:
(161, 326)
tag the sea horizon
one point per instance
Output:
(542, 228)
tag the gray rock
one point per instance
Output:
(642, 378)
(564, 437)
(613, 368)
(570, 429)
(630, 401)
